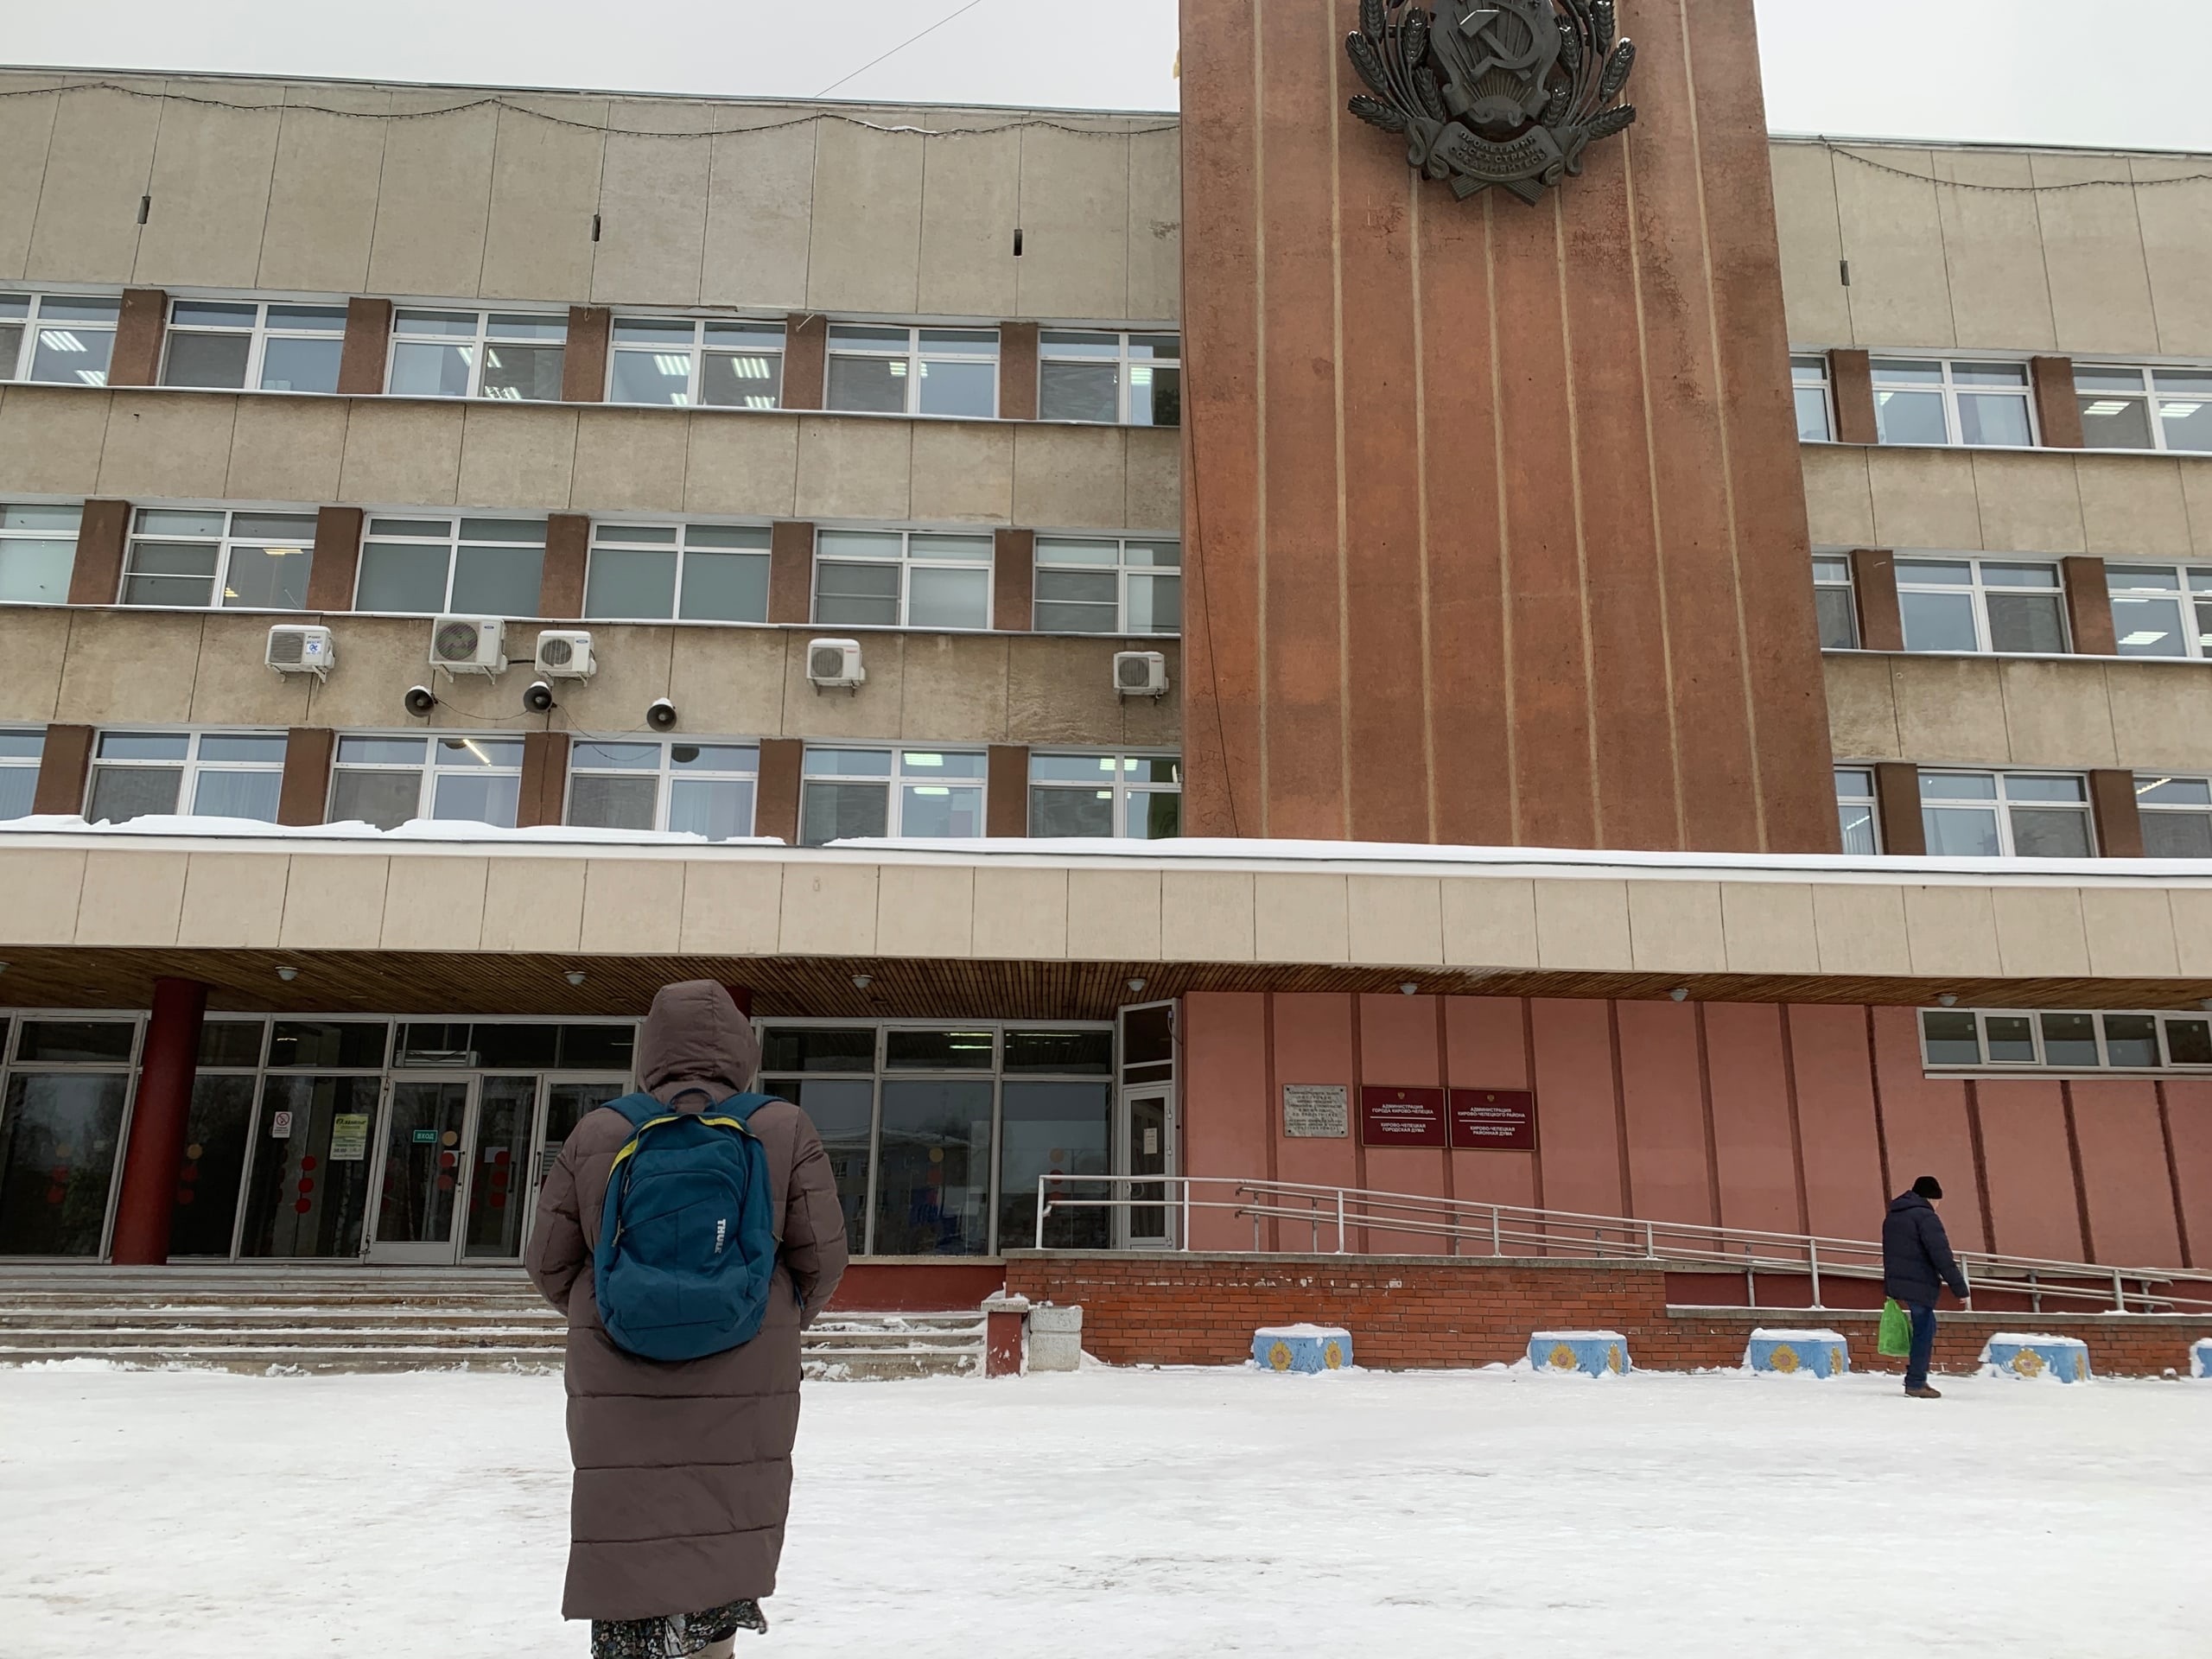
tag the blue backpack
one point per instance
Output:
(687, 1245)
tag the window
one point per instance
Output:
(1981, 605)
(2177, 815)
(1930, 401)
(2005, 815)
(698, 362)
(1809, 380)
(1855, 810)
(1964, 1039)
(1108, 587)
(2159, 610)
(21, 750)
(888, 579)
(57, 340)
(389, 781)
(61, 1109)
(196, 774)
(1119, 380)
(1133, 796)
(697, 788)
(244, 346)
(2145, 409)
(848, 794)
(1836, 602)
(452, 567)
(38, 551)
(877, 370)
(477, 354)
(689, 573)
(197, 557)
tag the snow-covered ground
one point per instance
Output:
(1133, 1513)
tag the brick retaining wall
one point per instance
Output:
(1415, 1312)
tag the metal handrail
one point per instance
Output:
(1345, 1214)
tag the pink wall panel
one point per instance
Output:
(1485, 1048)
(1925, 1121)
(1398, 1046)
(2188, 1117)
(1753, 1146)
(1577, 1127)
(1664, 1093)
(2033, 1208)
(1225, 1124)
(2124, 1171)
(1313, 1045)
(1835, 1122)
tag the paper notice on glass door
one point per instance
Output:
(349, 1137)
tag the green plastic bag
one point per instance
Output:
(1895, 1339)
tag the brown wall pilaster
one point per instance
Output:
(1006, 791)
(2119, 822)
(806, 360)
(1850, 382)
(1017, 371)
(775, 811)
(1874, 581)
(63, 767)
(584, 363)
(544, 778)
(97, 577)
(368, 343)
(2058, 411)
(1014, 579)
(568, 546)
(1896, 803)
(137, 358)
(305, 793)
(2088, 606)
(790, 571)
(336, 559)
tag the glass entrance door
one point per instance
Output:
(1147, 1149)
(426, 1159)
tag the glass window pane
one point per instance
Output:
(1061, 342)
(843, 1112)
(1911, 417)
(477, 754)
(1073, 768)
(2189, 1042)
(615, 757)
(655, 331)
(526, 326)
(848, 763)
(144, 746)
(856, 595)
(858, 545)
(1155, 604)
(873, 337)
(933, 765)
(237, 795)
(460, 325)
(478, 799)
(2087, 378)
(2132, 1039)
(720, 809)
(1155, 395)
(1839, 619)
(498, 581)
(2046, 789)
(1055, 1128)
(842, 812)
(943, 548)
(599, 802)
(300, 1202)
(1989, 374)
(745, 334)
(949, 599)
(2160, 791)
(725, 588)
(522, 373)
(1957, 786)
(75, 1042)
(36, 572)
(2042, 577)
(1080, 391)
(2185, 419)
(1155, 815)
(122, 793)
(381, 751)
(2010, 1037)
(963, 342)
(71, 357)
(2069, 1039)
(818, 1048)
(1997, 421)
(196, 592)
(301, 364)
(2038, 832)
(1951, 1038)
(2149, 627)
(1962, 832)
(524, 532)
(747, 380)
(350, 1044)
(386, 799)
(627, 583)
(311, 319)
(2027, 622)
(18, 795)
(968, 390)
(938, 1050)
(2115, 423)
(231, 1043)
(2165, 834)
(655, 377)
(1058, 812)
(1059, 1053)
(425, 369)
(217, 1130)
(58, 1132)
(1813, 414)
(1858, 825)
(403, 576)
(264, 748)
(714, 757)
(11, 341)
(867, 386)
(269, 578)
(1906, 371)
(1059, 551)
(1938, 621)
(210, 360)
(940, 812)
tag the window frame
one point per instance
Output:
(1952, 391)
(1978, 591)
(477, 345)
(2195, 634)
(425, 771)
(895, 782)
(1824, 581)
(2042, 1066)
(1122, 569)
(663, 775)
(916, 355)
(2148, 396)
(1871, 801)
(681, 548)
(33, 737)
(454, 542)
(1124, 366)
(227, 544)
(258, 334)
(697, 353)
(1126, 793)
(907, 563)
(20, 534)
(1808, 371)
(12, 1065)
(2004, 805)
(2146, 782)
(190, 769)
(18, 372)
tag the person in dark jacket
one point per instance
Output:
(1916, 1263)
(684, 1471)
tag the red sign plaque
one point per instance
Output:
(1400, 1117)
(1494, 1120)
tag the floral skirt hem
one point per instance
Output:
(676, 1637)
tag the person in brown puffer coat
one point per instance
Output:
(683, 1472)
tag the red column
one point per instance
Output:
(157, 1124)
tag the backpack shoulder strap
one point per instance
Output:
(640, 1109)
(742, 1107)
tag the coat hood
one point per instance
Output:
(1909, 1201)
(696, 1039)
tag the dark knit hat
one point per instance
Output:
(1928, 1187)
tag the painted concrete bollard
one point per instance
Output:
(1798, 1353)
(1593, 1353)
(2034, 1358)
(1288, 1348)
(1055, 1339)
(2200, 1359)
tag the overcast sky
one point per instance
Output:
(2082, 71)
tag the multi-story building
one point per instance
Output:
(1731, 734)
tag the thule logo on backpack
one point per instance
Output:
(722, 1234)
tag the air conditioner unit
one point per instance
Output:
(297, 649)
(1140, 673)
(835, 665)
(469, 645)
(565, 654)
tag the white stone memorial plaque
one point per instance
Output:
(1316, 1111)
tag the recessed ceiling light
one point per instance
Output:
(1681, 993)
(288, 974)
(862, 982)
(575, 975)
(1136, 985)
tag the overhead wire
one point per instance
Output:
(857, 73)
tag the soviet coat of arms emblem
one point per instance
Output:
(1493, 92)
